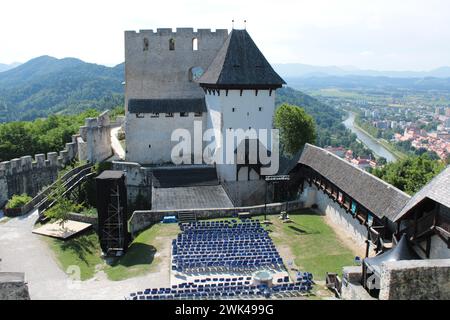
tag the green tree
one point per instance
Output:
(410, 174)
(63, 206)
(296, 127)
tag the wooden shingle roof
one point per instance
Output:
(379, 197)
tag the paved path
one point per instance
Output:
(115, 143)
(22, 251)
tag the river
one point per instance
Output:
(370, 143)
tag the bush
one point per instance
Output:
(18, 201)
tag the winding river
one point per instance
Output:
(371, 143)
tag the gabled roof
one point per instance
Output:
(379, 197)
(166, 105)
(240, 64)
(437, 190)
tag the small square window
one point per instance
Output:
(198, 114)
(155, 115)
(169, 115)
(184, 114)
(139, 115)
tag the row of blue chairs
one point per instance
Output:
(221, 292)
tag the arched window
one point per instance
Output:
(194, 44)
(172, 44)
(145, 44)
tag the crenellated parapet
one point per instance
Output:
(94, 139)
(30, 174)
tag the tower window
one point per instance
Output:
(172, 44)
(145, 44)
(260, 109)
(195, 44)
(233, 109)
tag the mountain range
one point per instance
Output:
(6, 67)
(48, 85)
(298, 70)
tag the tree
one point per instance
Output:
(63, 206)
(410, 174)
(296, 128)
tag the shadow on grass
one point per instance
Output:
(138, 253)
(302, 231)
(83, 246)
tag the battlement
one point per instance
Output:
(178, 32)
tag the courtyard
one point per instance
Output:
(306, 243)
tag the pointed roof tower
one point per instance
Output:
(240, 65)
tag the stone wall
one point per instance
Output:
(153, 71)
(415, 280)
(30, 175)
(141, 220)
(137, 181)
(339, 216)
(94, 140)
(13, 286)
(247, 193)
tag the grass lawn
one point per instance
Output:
(140, 257)
(82, 251)
(313, 243)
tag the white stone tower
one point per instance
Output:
(240, 88)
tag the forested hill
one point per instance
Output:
(47, 85)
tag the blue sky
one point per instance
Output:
(374, 34)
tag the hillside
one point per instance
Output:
(6, 67)
(47, 85)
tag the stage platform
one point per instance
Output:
(190, 198)
(55, 230)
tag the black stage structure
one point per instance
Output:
(112, 212)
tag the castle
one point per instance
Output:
(187, 80)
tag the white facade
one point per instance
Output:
(239, 109)
(149, 137)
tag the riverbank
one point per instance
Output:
(386, 144)
(368, 140)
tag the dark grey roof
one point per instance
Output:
(166, 105)
(184, 177)
(240, 64)
(438, 190)
(379, 197)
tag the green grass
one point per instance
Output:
(140, 257)
(314, 244)
(82, 251)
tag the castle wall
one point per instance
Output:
(149, 138)
(337, 215)
(415, 280)
(94, 140)
(228, 109)
(30, 175)
(153, 71)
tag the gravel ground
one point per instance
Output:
(22, 251)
